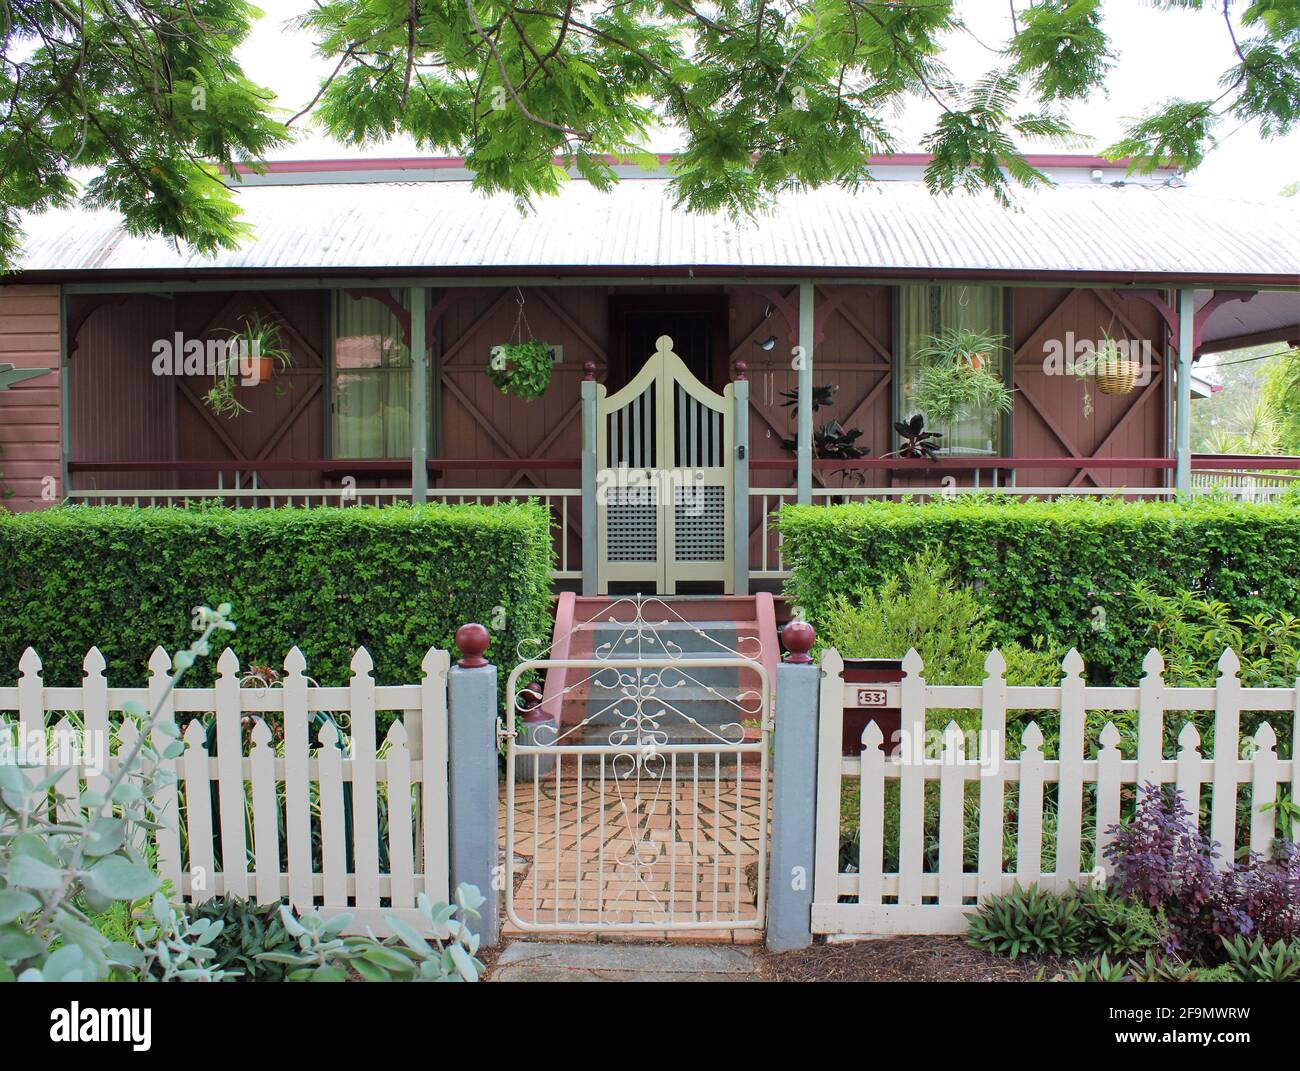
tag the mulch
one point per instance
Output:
(899, 959)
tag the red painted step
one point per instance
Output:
(577, 617)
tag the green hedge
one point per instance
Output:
(1044, 566)
(395, 580)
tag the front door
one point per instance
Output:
(665, 460)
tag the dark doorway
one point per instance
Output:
(697, 324)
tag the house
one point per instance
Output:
(661, 460)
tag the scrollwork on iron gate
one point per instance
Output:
(676, 836)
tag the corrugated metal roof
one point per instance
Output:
(886, 226)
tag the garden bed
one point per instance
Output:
(901, 959)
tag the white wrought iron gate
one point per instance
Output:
(629, 809)
(665, 458)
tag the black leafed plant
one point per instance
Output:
(915, 440)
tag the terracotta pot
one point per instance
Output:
(753, 735)
(259, 369)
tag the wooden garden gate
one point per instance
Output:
(665, 457)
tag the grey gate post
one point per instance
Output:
(740, 480)
(794, 790)
(472, 775)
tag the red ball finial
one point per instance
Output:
(742, 369)
(589, 370)
(797, 638)
(472, 640)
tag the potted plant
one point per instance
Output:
(1110, 365)
(914, 440)
(254, 353)
(521, 368)
(831, 440)
(957, 376)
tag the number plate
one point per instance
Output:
(871, 697)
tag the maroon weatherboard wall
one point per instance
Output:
(30, 426)
(120, 410)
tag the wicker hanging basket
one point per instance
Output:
(1116, 375)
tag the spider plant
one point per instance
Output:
(258, 341)
(958, 376)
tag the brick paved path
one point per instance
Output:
(667, 857)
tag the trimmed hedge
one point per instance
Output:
(396, 580)
(1043, 566)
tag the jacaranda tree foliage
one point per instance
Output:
(765, 94)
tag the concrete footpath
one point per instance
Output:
(565, 961)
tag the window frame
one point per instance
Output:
(1006, 421)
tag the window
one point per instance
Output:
(925, 311)
(372, 378)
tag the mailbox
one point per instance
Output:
(867, 678)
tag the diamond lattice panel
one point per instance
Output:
(632, 518)
(700, 524)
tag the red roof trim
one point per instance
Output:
(451, 163)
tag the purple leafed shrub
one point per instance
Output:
(1264, 894)
(1161, 860)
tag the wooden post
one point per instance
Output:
(803, 451)
(740, 481)
(1183, 414)
(419, 399)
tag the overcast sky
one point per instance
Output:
(1161, 54)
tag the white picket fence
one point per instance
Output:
(286, 802)
(914, 899)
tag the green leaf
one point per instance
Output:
(464, 962)
(105, 835)
(409, 936)
(28, 873)
(122, 879)
(14, 903)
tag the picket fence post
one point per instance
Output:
(297, 796)
(168, 837)
(1069, 808)
(230, 777)
(433, 755)
(993, 730)
(1227, 747)
(472, 755)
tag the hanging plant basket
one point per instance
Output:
(958, 376)
(261, 369)
(521, 368)
(1112, 368)
(255, 352)
(1116, 375)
